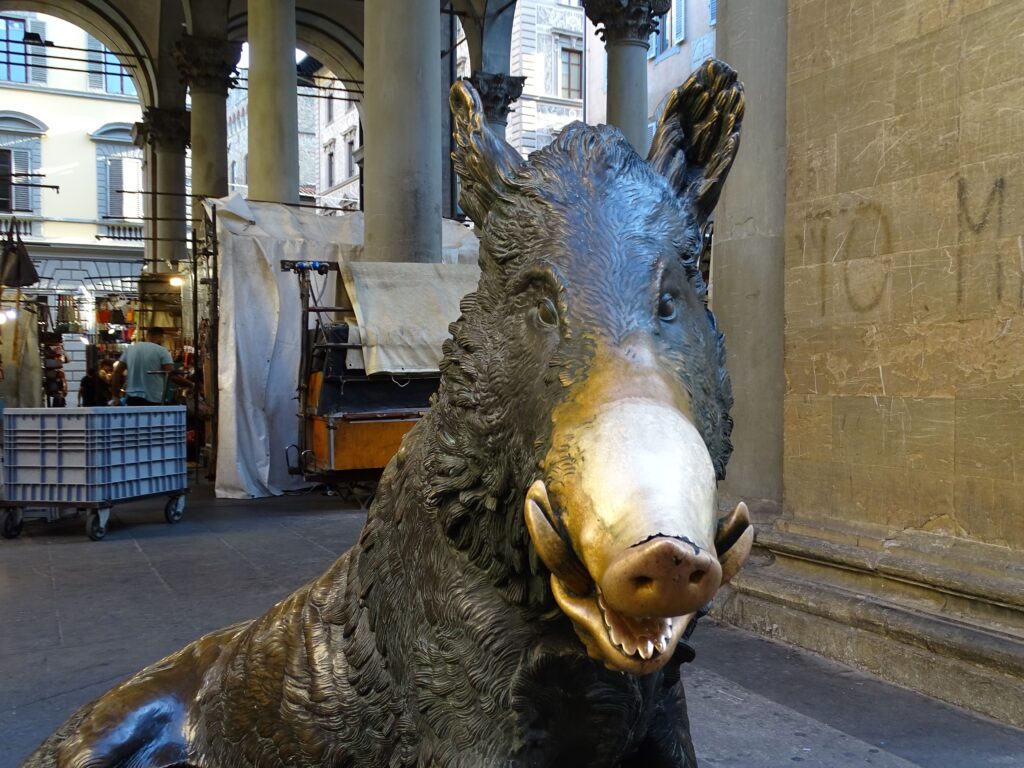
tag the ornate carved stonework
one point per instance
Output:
(626, 21)
(164, 129)
(207, 62)
(497, 92)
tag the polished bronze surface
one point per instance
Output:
(545, 536)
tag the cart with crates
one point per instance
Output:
(62, 462)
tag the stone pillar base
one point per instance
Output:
(944, 618)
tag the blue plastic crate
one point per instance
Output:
(93, 454)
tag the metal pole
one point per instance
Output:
(214, 341)
(304, 288)
(195, 329)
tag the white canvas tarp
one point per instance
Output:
(258, 336)
(403, 311)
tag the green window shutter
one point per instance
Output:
(94, 63)
(115, 183)
(22, 162)
(37, 53)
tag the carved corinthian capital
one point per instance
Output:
(165, 129)
(497, 92)
(626, 21)
(207, 63)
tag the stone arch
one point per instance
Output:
(108, 25)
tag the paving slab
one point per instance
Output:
(78, 616)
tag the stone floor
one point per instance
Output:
(77, 616)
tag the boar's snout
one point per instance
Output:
(665, 576)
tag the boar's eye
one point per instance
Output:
(667, 307)
(547, 314)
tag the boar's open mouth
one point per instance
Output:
(622, 642)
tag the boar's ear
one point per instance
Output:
(483, 161)
(699, 134)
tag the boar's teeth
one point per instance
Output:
(646, 649)
(661, 644)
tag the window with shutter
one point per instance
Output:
(21, 192)
(652, 45)
(94, 63)
(131, 177)
(678, 21)
(5, 180)
(115, 183)
(37, 53)
(712, 12)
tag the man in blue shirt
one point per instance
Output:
(148, 365)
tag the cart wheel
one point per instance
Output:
(175, 509)
(93, 527)
(11, 526)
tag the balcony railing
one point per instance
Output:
(24, 227)
(123, 230)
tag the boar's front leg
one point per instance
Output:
(668, 743)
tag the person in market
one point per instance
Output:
(87, 395)
(144, 369)
(94, 388)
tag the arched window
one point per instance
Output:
(231, 176)
(119, 182)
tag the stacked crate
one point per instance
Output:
(93, 455)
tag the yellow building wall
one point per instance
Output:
(68, 153)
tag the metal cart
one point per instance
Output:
(65, 462)
(96, 513)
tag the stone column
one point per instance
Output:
(273, 111)
(747, 265)
(497, 92)
(402, 121)
(626, 27)
(167, 133)
(207, 66)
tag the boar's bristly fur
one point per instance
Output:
(436, 639)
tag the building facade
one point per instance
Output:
(238, 132)
(72, 181)
(548, 50)
(339, 139)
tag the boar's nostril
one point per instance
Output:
(664, 576)
(642, 582)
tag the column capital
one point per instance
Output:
(207, 63)
(626, 21)
(497, 92)
(164, 129)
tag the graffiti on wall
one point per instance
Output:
(844, 236)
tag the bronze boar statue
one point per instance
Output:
(545, 535)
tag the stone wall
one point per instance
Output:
(900, 547)
(904, 255)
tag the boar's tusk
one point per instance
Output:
(733, 540)
(552, 548)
